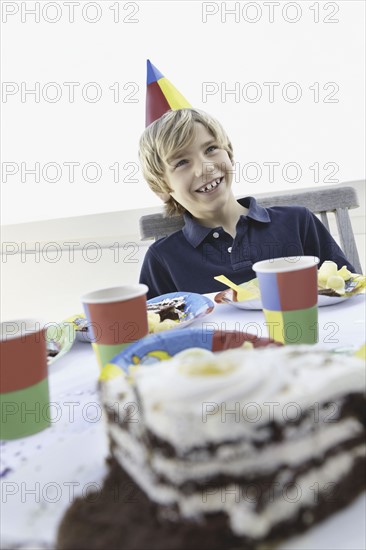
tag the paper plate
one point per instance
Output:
(196, 306)
(161, 346)
(228, 297)
(353, 286)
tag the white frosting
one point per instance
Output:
(266, 384)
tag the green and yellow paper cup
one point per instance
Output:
(289, 294)
(24, 394)
(116, 317)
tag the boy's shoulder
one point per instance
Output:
(167, 242)
(293, 217)
(260, 212)
(295, 211)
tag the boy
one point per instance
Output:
(187, 160)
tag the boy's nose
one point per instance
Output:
(204, 169)
(198, 169)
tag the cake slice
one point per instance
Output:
(232, 449)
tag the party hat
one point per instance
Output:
(161, 95)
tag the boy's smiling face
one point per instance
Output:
(200, 176)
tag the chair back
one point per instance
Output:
(337, 200)
(156, 226)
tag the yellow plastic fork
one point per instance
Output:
(241, 293)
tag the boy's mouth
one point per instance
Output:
(210, 186)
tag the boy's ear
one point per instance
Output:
(163, 196)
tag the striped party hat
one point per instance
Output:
(161, 95)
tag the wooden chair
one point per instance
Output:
(336, 199)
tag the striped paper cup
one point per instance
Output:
(24, 394)
(289, 293)
(116, 317)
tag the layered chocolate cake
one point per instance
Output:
(226, 450)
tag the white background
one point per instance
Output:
(227, 51)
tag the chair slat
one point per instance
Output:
(324, 219)
(322, 200)
(347, 239)
(156, 226)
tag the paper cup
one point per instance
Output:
(116, 317)
(24, 394)
(289, 294)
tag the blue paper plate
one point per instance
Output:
(196, 306)
(162, 346)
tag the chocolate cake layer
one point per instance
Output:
(262, 484)
(125, 519)
(169, 308)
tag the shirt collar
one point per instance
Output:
(255, 211)
(195, 233)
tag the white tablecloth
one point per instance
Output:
(41, 474)
(340, 325)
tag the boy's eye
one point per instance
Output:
(180, 163)
(211, 148)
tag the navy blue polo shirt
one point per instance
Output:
(189, 259)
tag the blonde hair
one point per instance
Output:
(164, 138)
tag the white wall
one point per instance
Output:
(310, 54)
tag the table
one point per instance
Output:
(40, 475)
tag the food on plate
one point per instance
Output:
(165, 314)
(53, 348)
(338, 282)
(225, 450)
(327, 269)
(170, 308)
(80, 322)
(156, 325)
(59, 339)
(344, 273)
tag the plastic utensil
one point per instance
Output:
(242, 293)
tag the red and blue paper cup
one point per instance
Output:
(289, 293)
